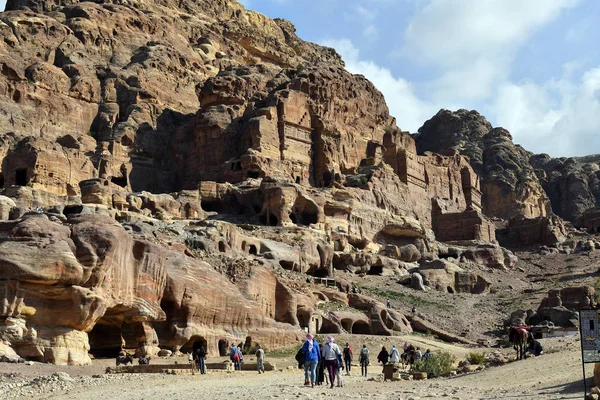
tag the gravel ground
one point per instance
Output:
(556, 375)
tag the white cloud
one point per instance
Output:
(473, 42)
(404, 104)
(371, 33)
(366, 17)
(2, 5)
(560, 117)
(450, 32)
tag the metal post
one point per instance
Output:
(582, 359)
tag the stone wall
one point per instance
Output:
(467, 225)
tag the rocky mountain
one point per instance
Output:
(572, 184)
(515, 182)
(509, 184)
(184, 172)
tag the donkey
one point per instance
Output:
(126, 359)
(518, 336)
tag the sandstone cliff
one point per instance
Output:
(572, 184)
(509, 184)
(192, 164)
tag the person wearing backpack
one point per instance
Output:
(348, 358)
(235, 357)
(364, 360)
(331, 351)
(312, 355)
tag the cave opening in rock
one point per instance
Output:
(347, 325)
(375, 270)
(248, 347)
(293, 218)
(252, 250)
(270, 220)
(222, 246)
(329, 327)
(253, 174)
(1, 180)
(327, 178)
(111, 334)
(450, 289)
(387, 321)
(319, 273)
(223, 348)
(72, 209)
(195, 342)
(361, 328)
(21, 177)
(298, 180)
(286, 264)
(307, 218)
(120, 181)
(303, 316)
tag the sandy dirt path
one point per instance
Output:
(556, 375)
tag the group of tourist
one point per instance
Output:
(315, 358)
(410, 355)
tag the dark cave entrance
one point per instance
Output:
(252, 250)
(195, 342)
(21, 177)
(223, 348)
(375, 270)
(269, 220)
(361, 328)
(120, 181)
(111, 334)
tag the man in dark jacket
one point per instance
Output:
(347, 358)
(200, 357)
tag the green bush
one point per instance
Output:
(476, 358)
(439, 364)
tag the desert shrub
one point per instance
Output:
(439, 364)
(476, 358)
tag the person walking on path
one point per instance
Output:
(383, 357)
(200, 357)
(348, 358)
(394, 355)
(364, 360)
(389, 304)
(312, 355)
(260, 359)
(331, 351)
(234, 355)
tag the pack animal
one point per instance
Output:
(518, 336)
(126, 359)
(144, 360)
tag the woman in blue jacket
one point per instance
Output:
(312, 355)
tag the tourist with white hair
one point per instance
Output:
(331, 353)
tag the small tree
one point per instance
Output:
(438, 364)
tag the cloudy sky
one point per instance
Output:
(531, 66)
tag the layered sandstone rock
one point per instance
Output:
(509, 185)
(572, 185)
(190, 163)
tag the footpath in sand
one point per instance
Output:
(556, 375)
